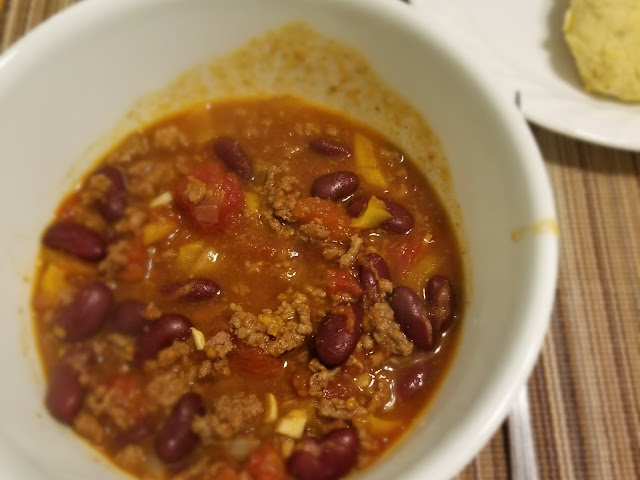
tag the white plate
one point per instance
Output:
(521, 42)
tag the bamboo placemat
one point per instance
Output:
(585, 389)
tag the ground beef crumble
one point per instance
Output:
(174, 370)
(114, 346)
(152, 312)
(314, 231)
(274, 332)
(146, 178)
(131, 457)
(166, 388)
(172, 354)
(89, 427)
(386, 331)
(196, 190)
(231, 414)
(340, 409)
(281, 193)
(385, 286)
(94, 189)
(117, 257)
(333, 251)
(366, 343)
(351, 255)
(217, 348)
(132, 220)
(169, 138)
(381, 395)
(320, 378)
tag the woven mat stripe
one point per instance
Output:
(594, 342)
(609, 261)
(612, 259)
(556, 390)
(20, 16)
(491, 462)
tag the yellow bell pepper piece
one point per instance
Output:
(367, 163)
(53, 280)
(373, 215)
(205, 261)
(287, 447)
(429, 265)
(159, 230)
(252, 202)
(188, 254)
(381, 426)
(195, 258)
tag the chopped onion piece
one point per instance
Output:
(293, 423)
(163, 199)
(198, 338)
(272, 408)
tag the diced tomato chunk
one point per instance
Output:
(255, 361)
(123, 383)
(300, 380)
(221, 207)
(332, 215)
(342, 280)
(340, 386)
(135, 268)
(126, 393)
(266, 463)
(403, 253)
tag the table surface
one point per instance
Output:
(585, 389)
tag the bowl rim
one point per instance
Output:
(477, 426)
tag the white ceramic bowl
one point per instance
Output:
(68, 82)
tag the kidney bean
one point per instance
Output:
(338, 336)
(135, 434)
(176, 439)
(75, 239)
(128, 317)
(195, 290)
(161, 334)
(412, 316)
(327, 459)
(377, 263)
(369, 284)
(330, 147)
(411, 378)
(335, 185)
(112, 205)
(86, 313)
(357, 205)
(65, 394)
(232, 154)
(400, 222)
(441, 301)
(374, 268)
